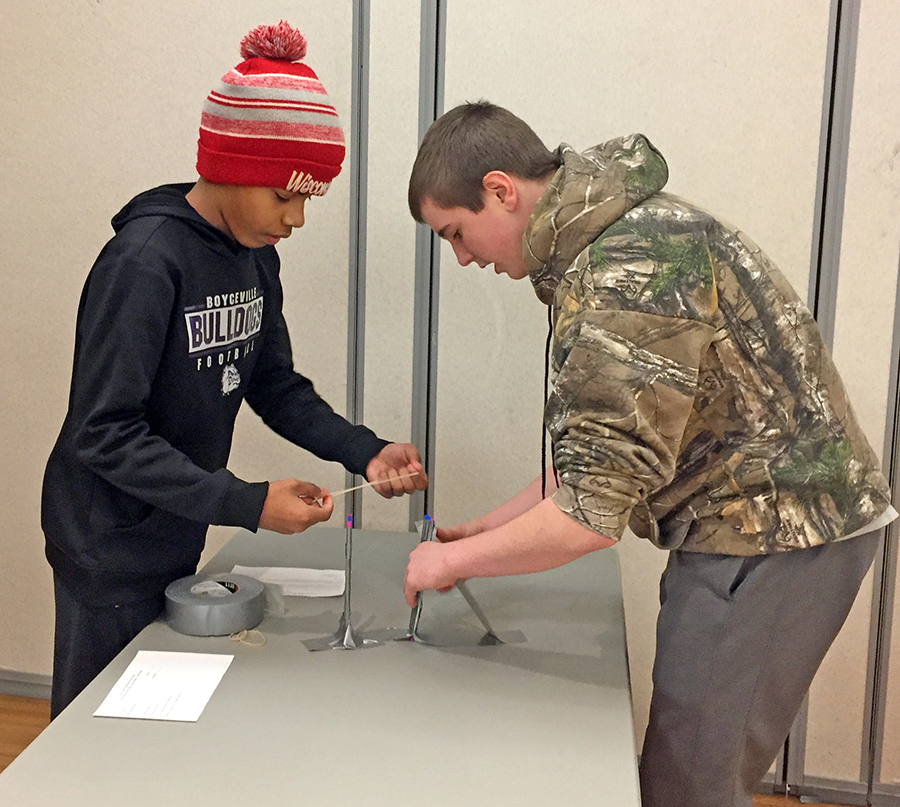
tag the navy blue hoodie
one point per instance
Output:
(177, 324)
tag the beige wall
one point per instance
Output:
(731, 93)
(870, 253)
(391, 235)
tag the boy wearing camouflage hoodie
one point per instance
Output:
(694, 402)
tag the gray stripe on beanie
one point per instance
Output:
(276, 115)
(255, 92)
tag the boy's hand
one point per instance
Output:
(292, 506)
(396, 469)
(427, 569)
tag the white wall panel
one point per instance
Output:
(889, 758)
(864, 325)
(731, 94)
(393, 132)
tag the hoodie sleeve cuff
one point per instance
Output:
(244, 504)
(360, 451)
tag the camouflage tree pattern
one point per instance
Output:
(693, 398)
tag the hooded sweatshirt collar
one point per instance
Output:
(169, 201)
(586, 195)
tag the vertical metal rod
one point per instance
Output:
(348, 567)
(427, 263)
(885, 579)
(359, 147)
(834, 143)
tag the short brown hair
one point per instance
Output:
(466, 143)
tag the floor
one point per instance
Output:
(22, 719)
(781, 801)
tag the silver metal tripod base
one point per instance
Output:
(345, 638)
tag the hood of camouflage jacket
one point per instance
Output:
(587, 194)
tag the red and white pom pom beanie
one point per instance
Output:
(269, 123)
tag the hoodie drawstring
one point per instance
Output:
(546, 396)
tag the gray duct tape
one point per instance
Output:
(214, 604)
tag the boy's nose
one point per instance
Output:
(295, 214)
(464, 258)
(294, 220)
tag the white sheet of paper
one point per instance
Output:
(296, 582)
(159, 685)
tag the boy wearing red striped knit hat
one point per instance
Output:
(180, 321)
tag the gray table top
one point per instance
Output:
(532, 723)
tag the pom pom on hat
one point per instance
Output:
(274, 42)
(270, 122)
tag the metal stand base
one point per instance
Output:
(346, 637)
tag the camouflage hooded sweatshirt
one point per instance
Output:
(693, 398)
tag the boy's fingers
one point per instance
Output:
(381, 486)
(420, 480)
(409, 481)
(401, 483)
(393, 483)
(413, 478)
(410, 593)
(307, 489)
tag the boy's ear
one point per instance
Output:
(503, 186)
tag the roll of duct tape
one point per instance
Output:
(214, 604)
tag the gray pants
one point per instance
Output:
(738, 643)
